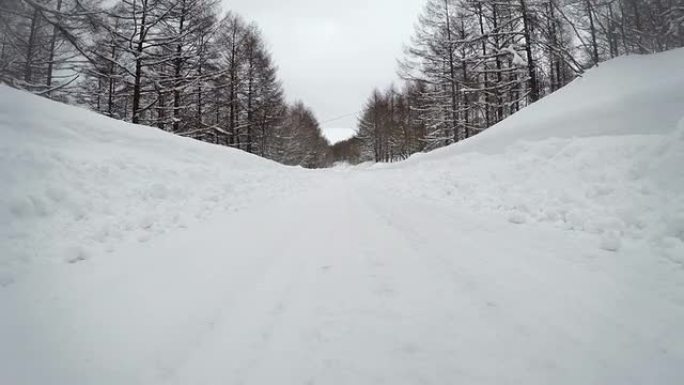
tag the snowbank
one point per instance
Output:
(77, 184)
(603, 155)
(630, 95)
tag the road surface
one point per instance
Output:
(346, 283)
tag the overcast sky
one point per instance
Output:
(332, 53)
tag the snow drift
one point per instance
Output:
(602, 155)
(77, 184)
(629, 95)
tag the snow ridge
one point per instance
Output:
(603, 155)
(78, 185)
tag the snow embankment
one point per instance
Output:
(77, 184)
(603, 155)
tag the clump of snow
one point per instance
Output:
(610, 241)
(517, 59)
(517, 217)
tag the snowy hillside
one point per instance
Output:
(602, 155)
(548, 250)
(78, 185)
(630, 95)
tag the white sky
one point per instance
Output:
(332, 53)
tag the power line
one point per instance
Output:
(340, 117)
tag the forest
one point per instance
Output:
(187, 67)
(473, 63)
(179, 65)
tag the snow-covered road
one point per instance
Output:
(547, 250)
(346, 284)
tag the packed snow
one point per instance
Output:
(547, 250)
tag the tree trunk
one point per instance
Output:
(233, 79)
(110, 85)
(499, 76)
(531, 67)
(637, 24)
(452, 73)
(177, 71)
(30, 49)
(51, 58)
(592, 27)
(466, 102)
(485, 80)
(137, 81)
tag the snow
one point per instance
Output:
(610, 241)
(603, 155)
(630, 187)
(547, 250)
(77, 184)
(517, 59)
(630, 95)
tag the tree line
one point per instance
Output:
(179, 65)
(472, 63)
